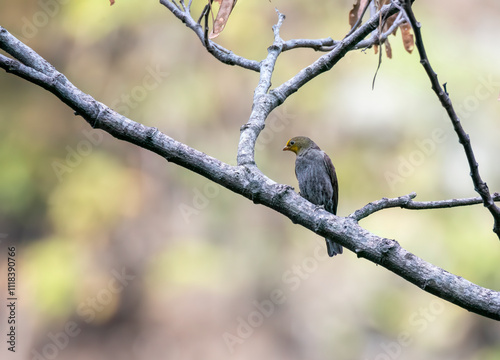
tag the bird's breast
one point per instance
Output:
(314, 182)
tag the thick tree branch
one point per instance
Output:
(248, 181)
(479, 185)
(262, 103)
(406, 202)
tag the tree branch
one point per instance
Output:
(327, 61)
(265, 101)
(262, 103)
(479, 185)
(220, 53)
(328, 44)
(248, 181)
(406, 202)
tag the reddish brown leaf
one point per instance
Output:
(353, 14)
(226, 6)
(382, 3)
(406, 31)
(407, 34)
(111, 2)
(356, 11)
(388, 50)
(389, 22)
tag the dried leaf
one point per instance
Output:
(356, 11)
(407, 34)
(226, 6)
(388, 50)
(382, 3)
(406, 31)
(389, 22)
(111, 2)
(353, 14)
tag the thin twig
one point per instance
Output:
(479, 185)
(360, 18)
(382, 38)
(326, 44)
(183, 5)
(176, 5)
(327, 61)
(406, 202)
(205, 10)
(220, 53)
(206, 39)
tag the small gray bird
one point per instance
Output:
(317, 179)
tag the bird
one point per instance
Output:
(317, 179)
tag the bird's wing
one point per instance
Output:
(333, 177)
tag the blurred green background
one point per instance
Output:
(123, 255)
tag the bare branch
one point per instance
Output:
(327, 61)
(360, 19)
(326, 44)
(479, 185)
(247, 180)
(220, 53)
(262, 103)
(383, 203)
(406, 202)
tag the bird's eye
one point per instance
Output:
(292, 142)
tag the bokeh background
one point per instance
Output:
(123, 255)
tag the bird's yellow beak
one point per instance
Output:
(292, 148)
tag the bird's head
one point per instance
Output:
(298, 143)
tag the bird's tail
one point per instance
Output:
(333, 248)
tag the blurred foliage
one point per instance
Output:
(198, 259)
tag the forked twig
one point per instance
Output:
(406, 202)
